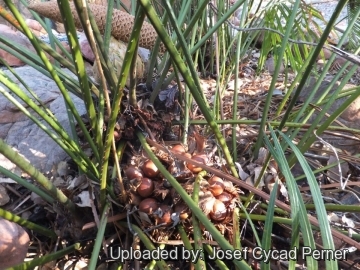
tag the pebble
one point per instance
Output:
(4, 197)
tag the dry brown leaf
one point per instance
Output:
(200, 142)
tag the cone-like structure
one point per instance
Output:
(122, 22)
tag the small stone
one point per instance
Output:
(62, 168)
(85, 48)
(4, 197)
(270, 66)
(36, 27)
(26, 215)
(37, 199)
(14, 242)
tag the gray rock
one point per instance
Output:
(4, 197)
(25, 136)
(270, 66)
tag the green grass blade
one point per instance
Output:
(298, 210)
(312, 61)
(27, 185)
(107, 32)
(326, 235)
(47, 258)
(200, 264)
(99, 237)
(119, 93)
(289, 27)
(61, 138)
(266, 238)
(54, 74)
(82, 77)
(27, 224)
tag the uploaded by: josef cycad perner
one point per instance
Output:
(257, 253)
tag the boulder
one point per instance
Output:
(26, 137)
(16, 38)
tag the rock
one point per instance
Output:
(85, 49)
(4, 197)
(14, 242)
(116, 55)
(25, 136)
(256, 55)
(24, 11)
(7, 164)
(36, 27)
(59, 27)
(22, 42)
(37, 199)
(270, 66)
(16, 38)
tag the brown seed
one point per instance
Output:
(216, 185)
(146, 188)
(150, 169)
(117, 135)
(225, 197)
(201, 158)
(179, 149)
(133, 172)
(148, 205)
(219, 211)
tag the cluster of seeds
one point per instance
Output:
(154, 196)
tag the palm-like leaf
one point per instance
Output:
(305, 29)
(352, 9)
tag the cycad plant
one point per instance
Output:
(149, 194)
(352, 8)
